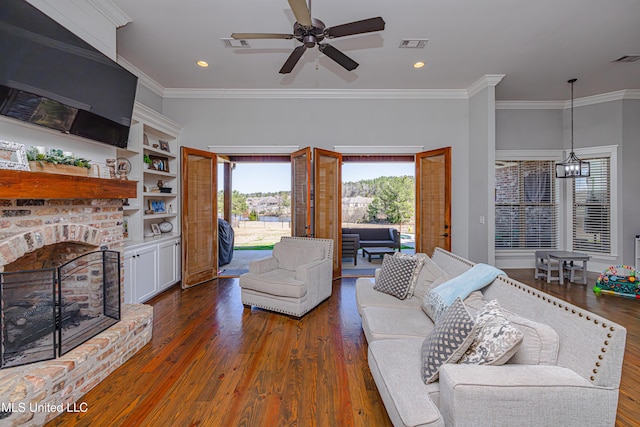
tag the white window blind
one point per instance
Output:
(526, 205)
(592, 208)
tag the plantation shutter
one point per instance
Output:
(526, 205)
(591, 208)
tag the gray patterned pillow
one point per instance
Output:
(497, 339)
(420, 259)
(448, 340)
(395, 276)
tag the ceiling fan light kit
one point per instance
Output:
(572, 166)
(312, 32)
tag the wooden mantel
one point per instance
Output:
(40, 185)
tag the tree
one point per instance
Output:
(394, 201)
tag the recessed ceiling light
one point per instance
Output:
(203, 64)
(418, 64)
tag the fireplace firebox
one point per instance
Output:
(48, 312)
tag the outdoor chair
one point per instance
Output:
(350, 246)
(294, 280)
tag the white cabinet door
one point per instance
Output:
(128, 265)
(146, 273)
(166, 264)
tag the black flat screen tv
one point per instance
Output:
(52, 78)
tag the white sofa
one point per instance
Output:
(566, 373)
(293, 280)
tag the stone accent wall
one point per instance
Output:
(32, 395)
(35, 394)
(36, 222)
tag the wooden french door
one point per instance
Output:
(301, 193)
(327, 212)
(199, 217)
(433, 200)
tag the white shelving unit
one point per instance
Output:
(152, 262)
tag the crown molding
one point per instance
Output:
(113, 13)
(156, 120)
(317, 93)
(530, 105)
(483, 82)
(143, 79)
(563, 105)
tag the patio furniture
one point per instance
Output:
(350, 246)
(377, 251)
(294, 280)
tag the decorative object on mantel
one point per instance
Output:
(572, 166)
(124, 168)
(58, 162)
(13, 156)
(111, 166)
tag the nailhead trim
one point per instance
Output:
(566, 308)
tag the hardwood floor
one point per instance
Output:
(213, 363)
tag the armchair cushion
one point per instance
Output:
(276, 282)
(290, 255)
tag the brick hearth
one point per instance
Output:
(33, 394)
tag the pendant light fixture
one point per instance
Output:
(572, 166)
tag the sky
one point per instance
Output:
(272, 177)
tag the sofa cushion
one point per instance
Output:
(428, 274)
(367, 296)
(477, 277)
(387, 322)
(275, 282)
(395, 367)
(448, 341)
(496, 340)
(291, 255)
(395, 276)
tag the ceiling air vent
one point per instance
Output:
(413, 43)
(229, 42)
(628, 58)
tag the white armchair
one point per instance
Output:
(294, 280)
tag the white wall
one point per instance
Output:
(529, 129)
(629, 185)
(326, 123)
(481, 156)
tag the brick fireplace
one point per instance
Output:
(49, 219)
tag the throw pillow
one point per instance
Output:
(420, 259)
(427, 307)
(395, 276)
(429, 273)
(448, 340)
(497, 339)
(477, 277)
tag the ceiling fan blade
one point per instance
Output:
(293, 59)
(301, 12)
(342, 59)
(357, 27)
(249, 36)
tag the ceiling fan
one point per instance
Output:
(312, 32)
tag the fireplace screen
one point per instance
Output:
(51, 311)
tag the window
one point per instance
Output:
(592, 208)
(526, 205)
